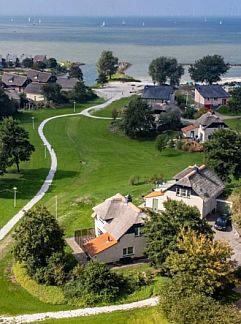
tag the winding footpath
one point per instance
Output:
(29, 318)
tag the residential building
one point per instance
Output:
(67, 84)
(158, 97)
(118, 229)
(34, 92)
(41, 77)
(209, 96)
(196, 186)
(204, 127)
(39, 58)
(14, 81)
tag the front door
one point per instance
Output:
(155, 204)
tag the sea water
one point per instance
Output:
(138, 41)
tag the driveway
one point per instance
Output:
(229, 236)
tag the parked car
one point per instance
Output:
(222, 222)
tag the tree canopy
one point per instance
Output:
(208, 69)
(170, 120)
(52, 92)
(165, 69)
(107, 64)
(223, 153)
(7, 108)
(75, 71)
(234, 103)
(15, 145)
(162, 229)
(39, 244)
(27, 63)
(138, 120)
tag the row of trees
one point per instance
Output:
(209, 69)
(14, 144)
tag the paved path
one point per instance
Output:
(112, 93)
(28, 318)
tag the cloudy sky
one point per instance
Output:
(120, 7)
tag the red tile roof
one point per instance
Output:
(188, 128)
(155, 194)
(100, 244)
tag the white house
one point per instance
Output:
(118, 229)
(212, 95)
(204, 127)
(195, 186)
(34, 92)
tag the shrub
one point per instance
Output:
(161, 142)
(134, 180)
(46, 294)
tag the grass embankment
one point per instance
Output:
(234, 124)
(137, 316)
(118, 105)
(225, 110)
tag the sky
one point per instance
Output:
(121, 7)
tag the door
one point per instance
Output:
(155, 204)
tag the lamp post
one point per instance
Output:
(33, 122)
(45, 151)
(14, 196)
(74, 106)
(56, 206)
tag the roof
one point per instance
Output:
(188, 128)
(119, 215)
(34, 88)
(208, 119)
(12, 94)
(68, 84)
(162, 92)
(39, 76)
(212, 91)
(154, 194)
(14, 80)
(202, 180)
(40, 58)
(100, 244)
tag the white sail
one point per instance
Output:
(103, 24)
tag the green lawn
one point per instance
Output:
(224, 110)
(234, 124)
(118, 105)
(140, 316)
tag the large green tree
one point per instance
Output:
(208, 69)
(39, 244)
(27, 63)
(223, 153)
(234, 103)
(170, 120)
(14, 141)
(107, 64)
(162, 229)
(202, 264)
(7, 107)
(165, 69)
(75, 71)
(52, 92)
(52, 63)
(138, 120)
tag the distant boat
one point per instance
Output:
(220, 23)
(103, 24)
(40, 21)
(123, 23)
(143, 24)
(12, 20)
(29, 19)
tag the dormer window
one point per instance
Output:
(183, 192)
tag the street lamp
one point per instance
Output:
(14, 196)
(33, 122)
(45, 151)
(74, 106)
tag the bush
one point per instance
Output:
(46, 294)
(191, 146)
(161, 142)
(134, 180)
(200, 112)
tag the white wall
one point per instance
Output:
(35, 97)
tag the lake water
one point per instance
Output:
(136, 40)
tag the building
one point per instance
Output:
(158, 97)
(209, 96)
(204, 127)
(118, 229)
(39, 58)
(67, 84)
(41, 77)
(15, 82)
(34, 92)
(195, 186)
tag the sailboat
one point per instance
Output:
(143, 24)
(40, 21)
(29, 19)
(123, 23)
(12, 20)
(220, 23)
(103, 24)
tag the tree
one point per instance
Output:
(223, 153)
(15, 143)
(208, 69)
(52, 63)
(161, 142)
(17, 63)
(39, 243)
(114, 113)
(166, 68)
(52, 92)
(138, 120)
(27, 63)
(170, 120)
(107, 64)
(102, 78)
(75, 72)
(162, 230)
(202, 264)
(234, 104)
(41, 65)
(7, 108)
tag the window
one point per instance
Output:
(128, 251)
(183, 192)
(137, 231)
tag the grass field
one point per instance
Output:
(118, 105)
(141, 316)
(234, 124)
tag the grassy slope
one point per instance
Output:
(234, 124)
(118, 105)
(142, 316)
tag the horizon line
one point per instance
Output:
(123, 16)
